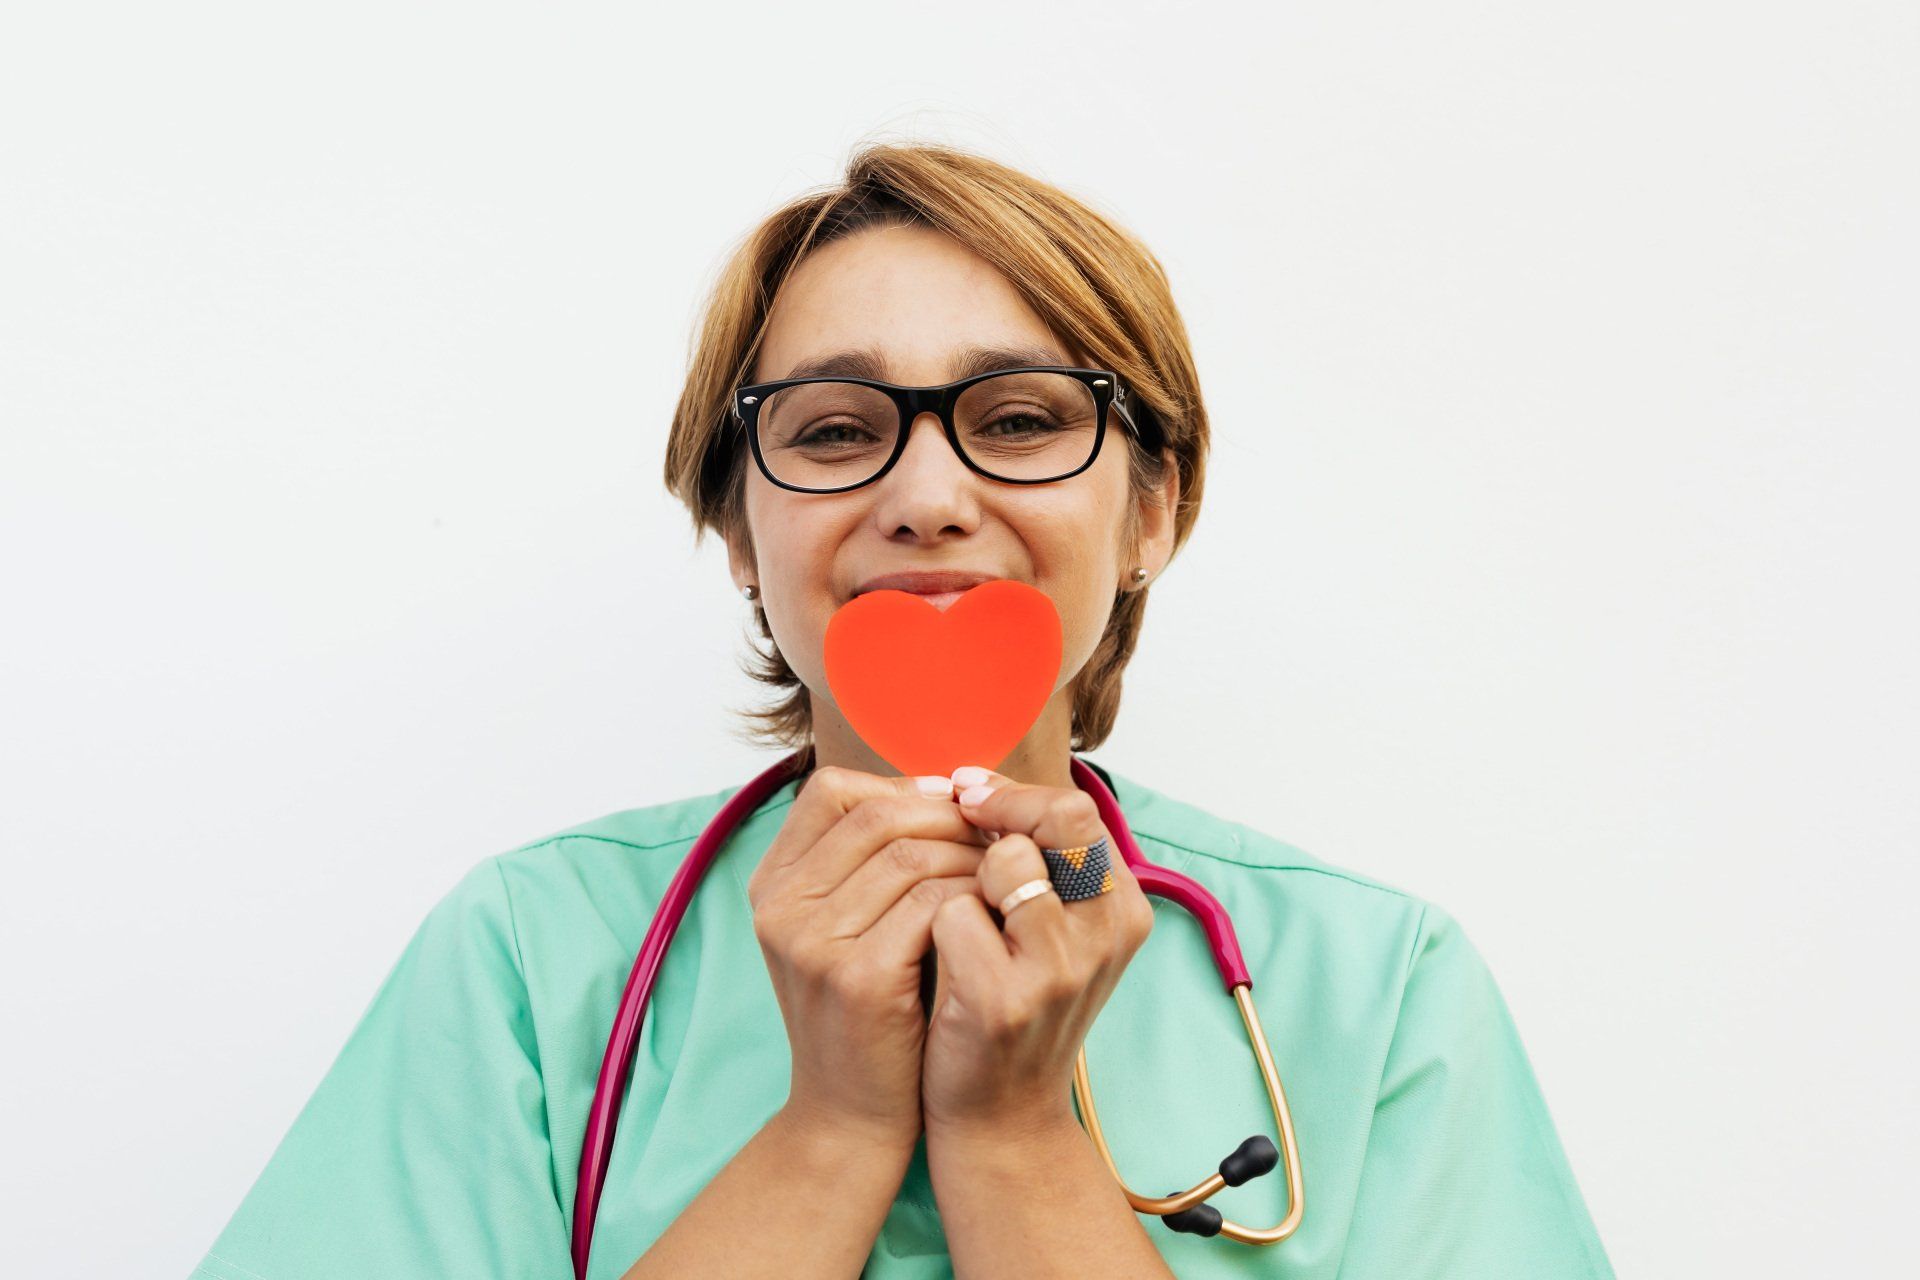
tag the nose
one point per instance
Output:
(929, 488)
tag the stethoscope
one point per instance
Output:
(1182, 1212)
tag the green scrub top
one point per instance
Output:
(445, 1139)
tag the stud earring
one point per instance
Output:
(1139, 575)
(750, 591)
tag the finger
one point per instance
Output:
(877, 883)
(904, 933)
(866, 832)
(974, 960)
(1056, 817)
(860, 831)
(1039, 927)
(830, 793)
(1064, 818)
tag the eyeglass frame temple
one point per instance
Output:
(1126, 416)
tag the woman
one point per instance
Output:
(800, 1105)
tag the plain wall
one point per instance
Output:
(1556, 562)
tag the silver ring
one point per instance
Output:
(1025, 893)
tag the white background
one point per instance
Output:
(1553, 563)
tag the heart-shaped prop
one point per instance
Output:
(929, 690)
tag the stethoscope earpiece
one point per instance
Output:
(1201, 1220)
(1255, 1156)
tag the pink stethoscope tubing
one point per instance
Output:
(597, 1150)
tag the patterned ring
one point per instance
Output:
(1084, 871)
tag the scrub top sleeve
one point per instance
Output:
(424, 1150)
(1463, 1173)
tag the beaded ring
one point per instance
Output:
(1084, 871)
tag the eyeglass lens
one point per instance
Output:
(1015, 426)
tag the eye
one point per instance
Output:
(824, 434)
(1022, 422)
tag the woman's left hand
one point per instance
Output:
(1013, 1005)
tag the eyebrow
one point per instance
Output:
(867, 362)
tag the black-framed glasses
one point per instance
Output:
(1031, 425)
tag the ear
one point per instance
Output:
(740, 562)
(1157, 521)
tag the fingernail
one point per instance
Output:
(975, 795)
(969, 775)
(935, 787)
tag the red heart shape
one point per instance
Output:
(930, 691)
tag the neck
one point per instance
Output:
(1042, 758)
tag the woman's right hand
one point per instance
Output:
(843, 904)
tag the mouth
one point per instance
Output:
(939, 588)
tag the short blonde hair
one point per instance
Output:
(1094, 284)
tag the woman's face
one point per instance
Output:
(917, 300)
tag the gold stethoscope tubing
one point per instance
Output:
(1289, 1148)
